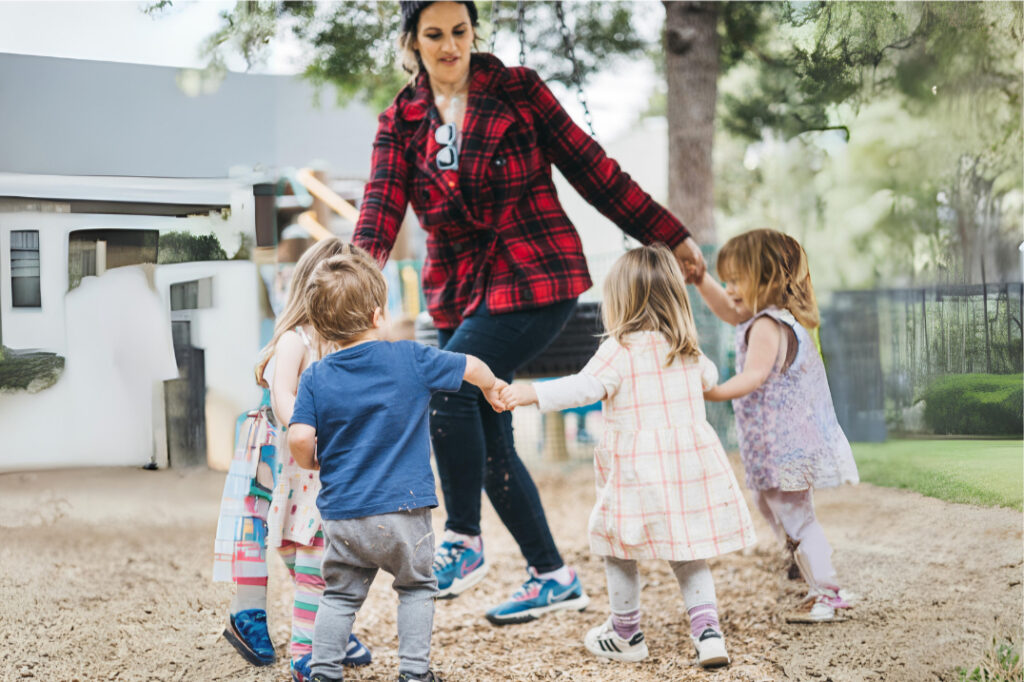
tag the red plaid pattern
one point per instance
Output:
(665, 489)
(495, 227)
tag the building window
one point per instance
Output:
(192, 295)
(25, 291)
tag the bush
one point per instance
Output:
(184, 247)
(30, 372)
(976, 404)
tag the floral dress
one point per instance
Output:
(788, 433)
(293, 514)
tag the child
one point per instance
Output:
(789, 438)
(665, 489)
(361, 418)
(293, 523)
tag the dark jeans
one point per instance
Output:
(473, 444)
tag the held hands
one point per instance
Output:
(691, 260)
(515, 395)
(493, 395)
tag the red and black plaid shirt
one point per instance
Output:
(495, 228)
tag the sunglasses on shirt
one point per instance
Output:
(448, 154)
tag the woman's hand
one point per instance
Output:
(515, 395)
(691, 260)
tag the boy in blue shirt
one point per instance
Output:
(361, 418)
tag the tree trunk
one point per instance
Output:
(691, 61)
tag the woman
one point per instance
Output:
(470, 143)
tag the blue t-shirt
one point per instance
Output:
(368, 404)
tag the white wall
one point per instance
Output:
(100, 411)
(228, 332)
(43, 328)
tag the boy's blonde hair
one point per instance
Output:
(294, 313)
(645, 291)
(343, 293)
(770, 268)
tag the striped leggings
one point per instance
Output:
(303, 562)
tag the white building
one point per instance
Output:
(98, 160)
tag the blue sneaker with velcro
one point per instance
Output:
(247, 632)
(537, 597)
(457, 568)
(355, 655)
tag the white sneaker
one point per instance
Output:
(820, 607)
(711, 649)
(603, 641)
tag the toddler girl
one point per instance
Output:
(293, 523)
(665, 489)
(790, 440)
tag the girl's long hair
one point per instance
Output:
(294, 313)
(770, 268)
(645, 291)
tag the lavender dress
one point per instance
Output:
(788, 433)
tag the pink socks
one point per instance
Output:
(702, 617)
(626, 624)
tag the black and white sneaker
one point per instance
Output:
(603, 641)
(711, 649)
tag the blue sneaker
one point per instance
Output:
(247, 632)
(300, 669)
(356, 654)
(457, 568)
(537, 597)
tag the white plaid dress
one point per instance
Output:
(665, 489)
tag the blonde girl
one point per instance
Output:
(790, 440)
(665, 489)
(293, 522)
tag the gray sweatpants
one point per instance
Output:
(402, 544)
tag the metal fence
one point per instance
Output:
(883, 348)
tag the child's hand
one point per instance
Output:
(515, 395)
(493, 395)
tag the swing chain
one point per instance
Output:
(495, 18)
(577, 77)
(521, 22)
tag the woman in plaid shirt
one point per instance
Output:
(469, 143)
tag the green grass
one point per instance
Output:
(983, 472)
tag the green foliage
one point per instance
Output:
(245, 246)
(353, 45)
(976, 404)
(922, 175)
(185, 247)
(1002, 663)
(29, 371)
(965, 471)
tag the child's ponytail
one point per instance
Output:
(770, 268)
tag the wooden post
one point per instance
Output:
(554, 438)
(984, 308)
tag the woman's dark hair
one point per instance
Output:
(411, 13)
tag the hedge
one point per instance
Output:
(29, 371)
(976, 404)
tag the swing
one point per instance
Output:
(580, 337)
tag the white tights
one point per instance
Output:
(694, 579)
